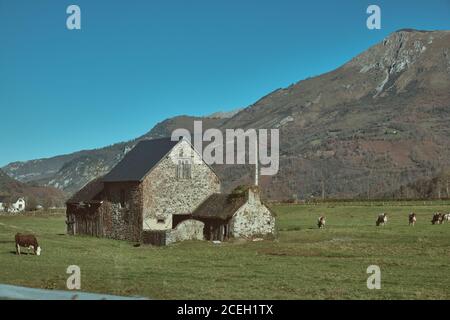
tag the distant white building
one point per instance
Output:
(12, 205)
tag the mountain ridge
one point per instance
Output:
(375, 123)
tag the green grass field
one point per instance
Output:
(303, 263)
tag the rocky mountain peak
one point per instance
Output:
(395, 53)
(405, 51)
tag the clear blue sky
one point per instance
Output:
(135, 63)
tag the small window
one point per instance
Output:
(122, 198)
(161, 220)
(184, 170)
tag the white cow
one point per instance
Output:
(446, 217)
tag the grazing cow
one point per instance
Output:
(412, 219)
(27, 241)
(321, 222)
(382, 219)
(438, 218)
(446, 217)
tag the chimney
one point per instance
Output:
(256, 163)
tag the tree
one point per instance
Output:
(48, 203)
(6, 206)
(31, 204)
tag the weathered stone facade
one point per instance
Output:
(253, 219)
(125, 206)
(187, 230)
(165, 195)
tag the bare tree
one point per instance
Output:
(31, 204)
(6, 206)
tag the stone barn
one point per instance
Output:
(162, 192)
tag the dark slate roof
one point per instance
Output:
(89, 192)
(139, 161)
(224, 206)
(220, 206)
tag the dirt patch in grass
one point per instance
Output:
(306, 252)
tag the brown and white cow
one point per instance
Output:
(438, 218)
(382, 219)
(412, 219)
(27, 241)
(321, 222)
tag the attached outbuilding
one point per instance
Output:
(240, 214)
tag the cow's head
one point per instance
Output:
(38, 251)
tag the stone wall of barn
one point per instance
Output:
(165, 195)
(253, 219)
(124, 210)
(186, 230)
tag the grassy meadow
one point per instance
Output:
(303, 263)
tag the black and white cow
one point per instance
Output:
(438, 218)
(382, 219)
(412, 219)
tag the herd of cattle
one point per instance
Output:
(438, 218)
(29, 241)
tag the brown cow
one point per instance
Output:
(27, 241)
(321, 222)
(412, 219)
